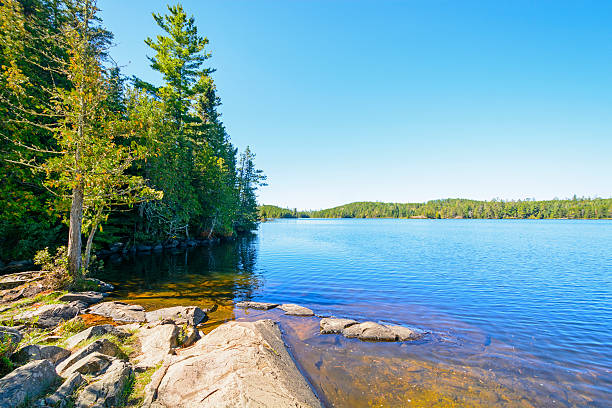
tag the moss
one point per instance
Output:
(141, 380)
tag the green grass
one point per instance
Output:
(24, 305)
(140, 381)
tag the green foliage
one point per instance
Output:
(55, 267)
(575, 208)
(6, 348)
(79, 138)
(272, 211)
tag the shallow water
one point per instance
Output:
(518, 311)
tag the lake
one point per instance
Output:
(518, 311)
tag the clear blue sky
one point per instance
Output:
(405, 101)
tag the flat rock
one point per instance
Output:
(103, 346)
(296, 310)
(369, 331)
(331, 325)
(13, 335)
(119, 311)
(26, 383)
(238, 364)
(191, 315)
(156, 343)
(33, 352)
(403, 333)
(107, 390)
(256, 305)
(50, 315)
(61, 395)
(16, 279)
(88, 298)
(95, 331)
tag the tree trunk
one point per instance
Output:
(74, 233)
(89, 244)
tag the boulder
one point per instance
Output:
(239, 364)
(60, 397)
(369, 331)
(50, 315)
(103, 346)
(119, 311)
(191, 315)
(89, 298)
(143, 248)
(26, 383)
(11, 335)
(403, 333)
(256, 305)
(100, 285)
(33, 352)
(27, 290)
(17, 266)
(156, 343)
(191, 336)
(95, 331)
(331, 325)
(296, 310)
(92, 364)
(107, 390)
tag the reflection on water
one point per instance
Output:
(518, 312)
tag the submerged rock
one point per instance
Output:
(107, 389)
(331, 325)
(296, 310)
(239, 364)
(403, 333)
(369, 331)
(191, 315)
(256, 305)
(33, 352)
(26, 383)
(119, 311)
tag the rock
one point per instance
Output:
(100, 285)
(16, 279)
(32, 352)
(369, 331)
(191, 243)
(256, 305)
(158, 247)
(191, 315)
(143, 248)
(116, 247)
(60, 396)
(171, 243)
(26, 383)
(156, 343)
(191, 336)
(93, 364)
(332, 325)
(50, 315)
(120, 312)
(239, 364)
(103, 346)
(12, 335)
(26, 290)
(296, 310)
(89, 298)
(107, 390)
(95, 331)
(403, 333)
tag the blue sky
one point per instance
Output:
(405, 101)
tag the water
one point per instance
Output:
(519, 311)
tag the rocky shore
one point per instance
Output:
(76, 349)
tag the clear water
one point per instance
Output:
(519, 311)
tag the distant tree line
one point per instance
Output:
(90, 155)
(575, 208)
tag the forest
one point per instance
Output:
(91, 157)
(575, 208)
